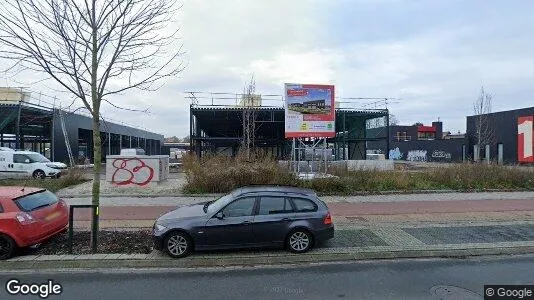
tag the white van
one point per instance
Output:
(27, 163)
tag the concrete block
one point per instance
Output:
(381, 165)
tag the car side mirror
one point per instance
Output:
(219, 215)
(26, 161)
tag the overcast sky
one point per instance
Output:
(433, 56)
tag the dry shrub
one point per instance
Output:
(221, 173)
(482, 176)
(456, 177)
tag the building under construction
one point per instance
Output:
(220, 121)
(34, 124)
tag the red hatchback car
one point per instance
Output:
(28, 216)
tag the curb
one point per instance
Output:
(240, 260)
(360, 193)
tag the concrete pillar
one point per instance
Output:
(476, 153)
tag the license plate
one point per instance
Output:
(52, 216)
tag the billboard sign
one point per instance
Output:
(310, 110)
(525, 139)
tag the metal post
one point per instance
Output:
(94, 245)
(71, 227)
(324, 154)
(109, 143)
(345, 150)
(190, 128)
(53, 139)
(387, 134)
(17, 127)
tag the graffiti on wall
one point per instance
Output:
(441, 155)
(395, 154)
(417, 155)
(131, 171)
(525, 139)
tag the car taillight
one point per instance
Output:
(327, 219)
(24, 218)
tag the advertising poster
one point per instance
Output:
(310, 111)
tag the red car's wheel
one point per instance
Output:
(7, 247)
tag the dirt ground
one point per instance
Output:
(129, 242)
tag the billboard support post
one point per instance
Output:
(309, 114)
(314, 154)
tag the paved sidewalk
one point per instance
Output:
(522, 209)
(188, 199)
(351, 242)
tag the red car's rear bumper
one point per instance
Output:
(36, 233)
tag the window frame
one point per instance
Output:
(22, 155)
(254, 206)
(287, 202)
(24, 197)
(295, 210)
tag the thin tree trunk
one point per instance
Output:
(97, 158)
(97, 142)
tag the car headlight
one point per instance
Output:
(159, 227)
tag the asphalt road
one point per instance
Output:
(399, 279)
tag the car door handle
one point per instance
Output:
(286, 219)
(245, 222)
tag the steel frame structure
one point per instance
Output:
(216, 125)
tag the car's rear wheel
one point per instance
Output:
(39, 174)
(299, 241)
(178, 244)
(7, 247)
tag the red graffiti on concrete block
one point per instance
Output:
(137, 171)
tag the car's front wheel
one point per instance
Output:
(7, 247)
(39, 174)
(178, 244)
(299, 241)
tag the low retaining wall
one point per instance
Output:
(350, 165)
(140, 170)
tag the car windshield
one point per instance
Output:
(35, 201)
(219, 203)
(36, 157)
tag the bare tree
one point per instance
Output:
(484, 131)
(249, 116)
(93, 50)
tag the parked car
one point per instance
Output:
(249, 217)
(29, 216)
(27, 163)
